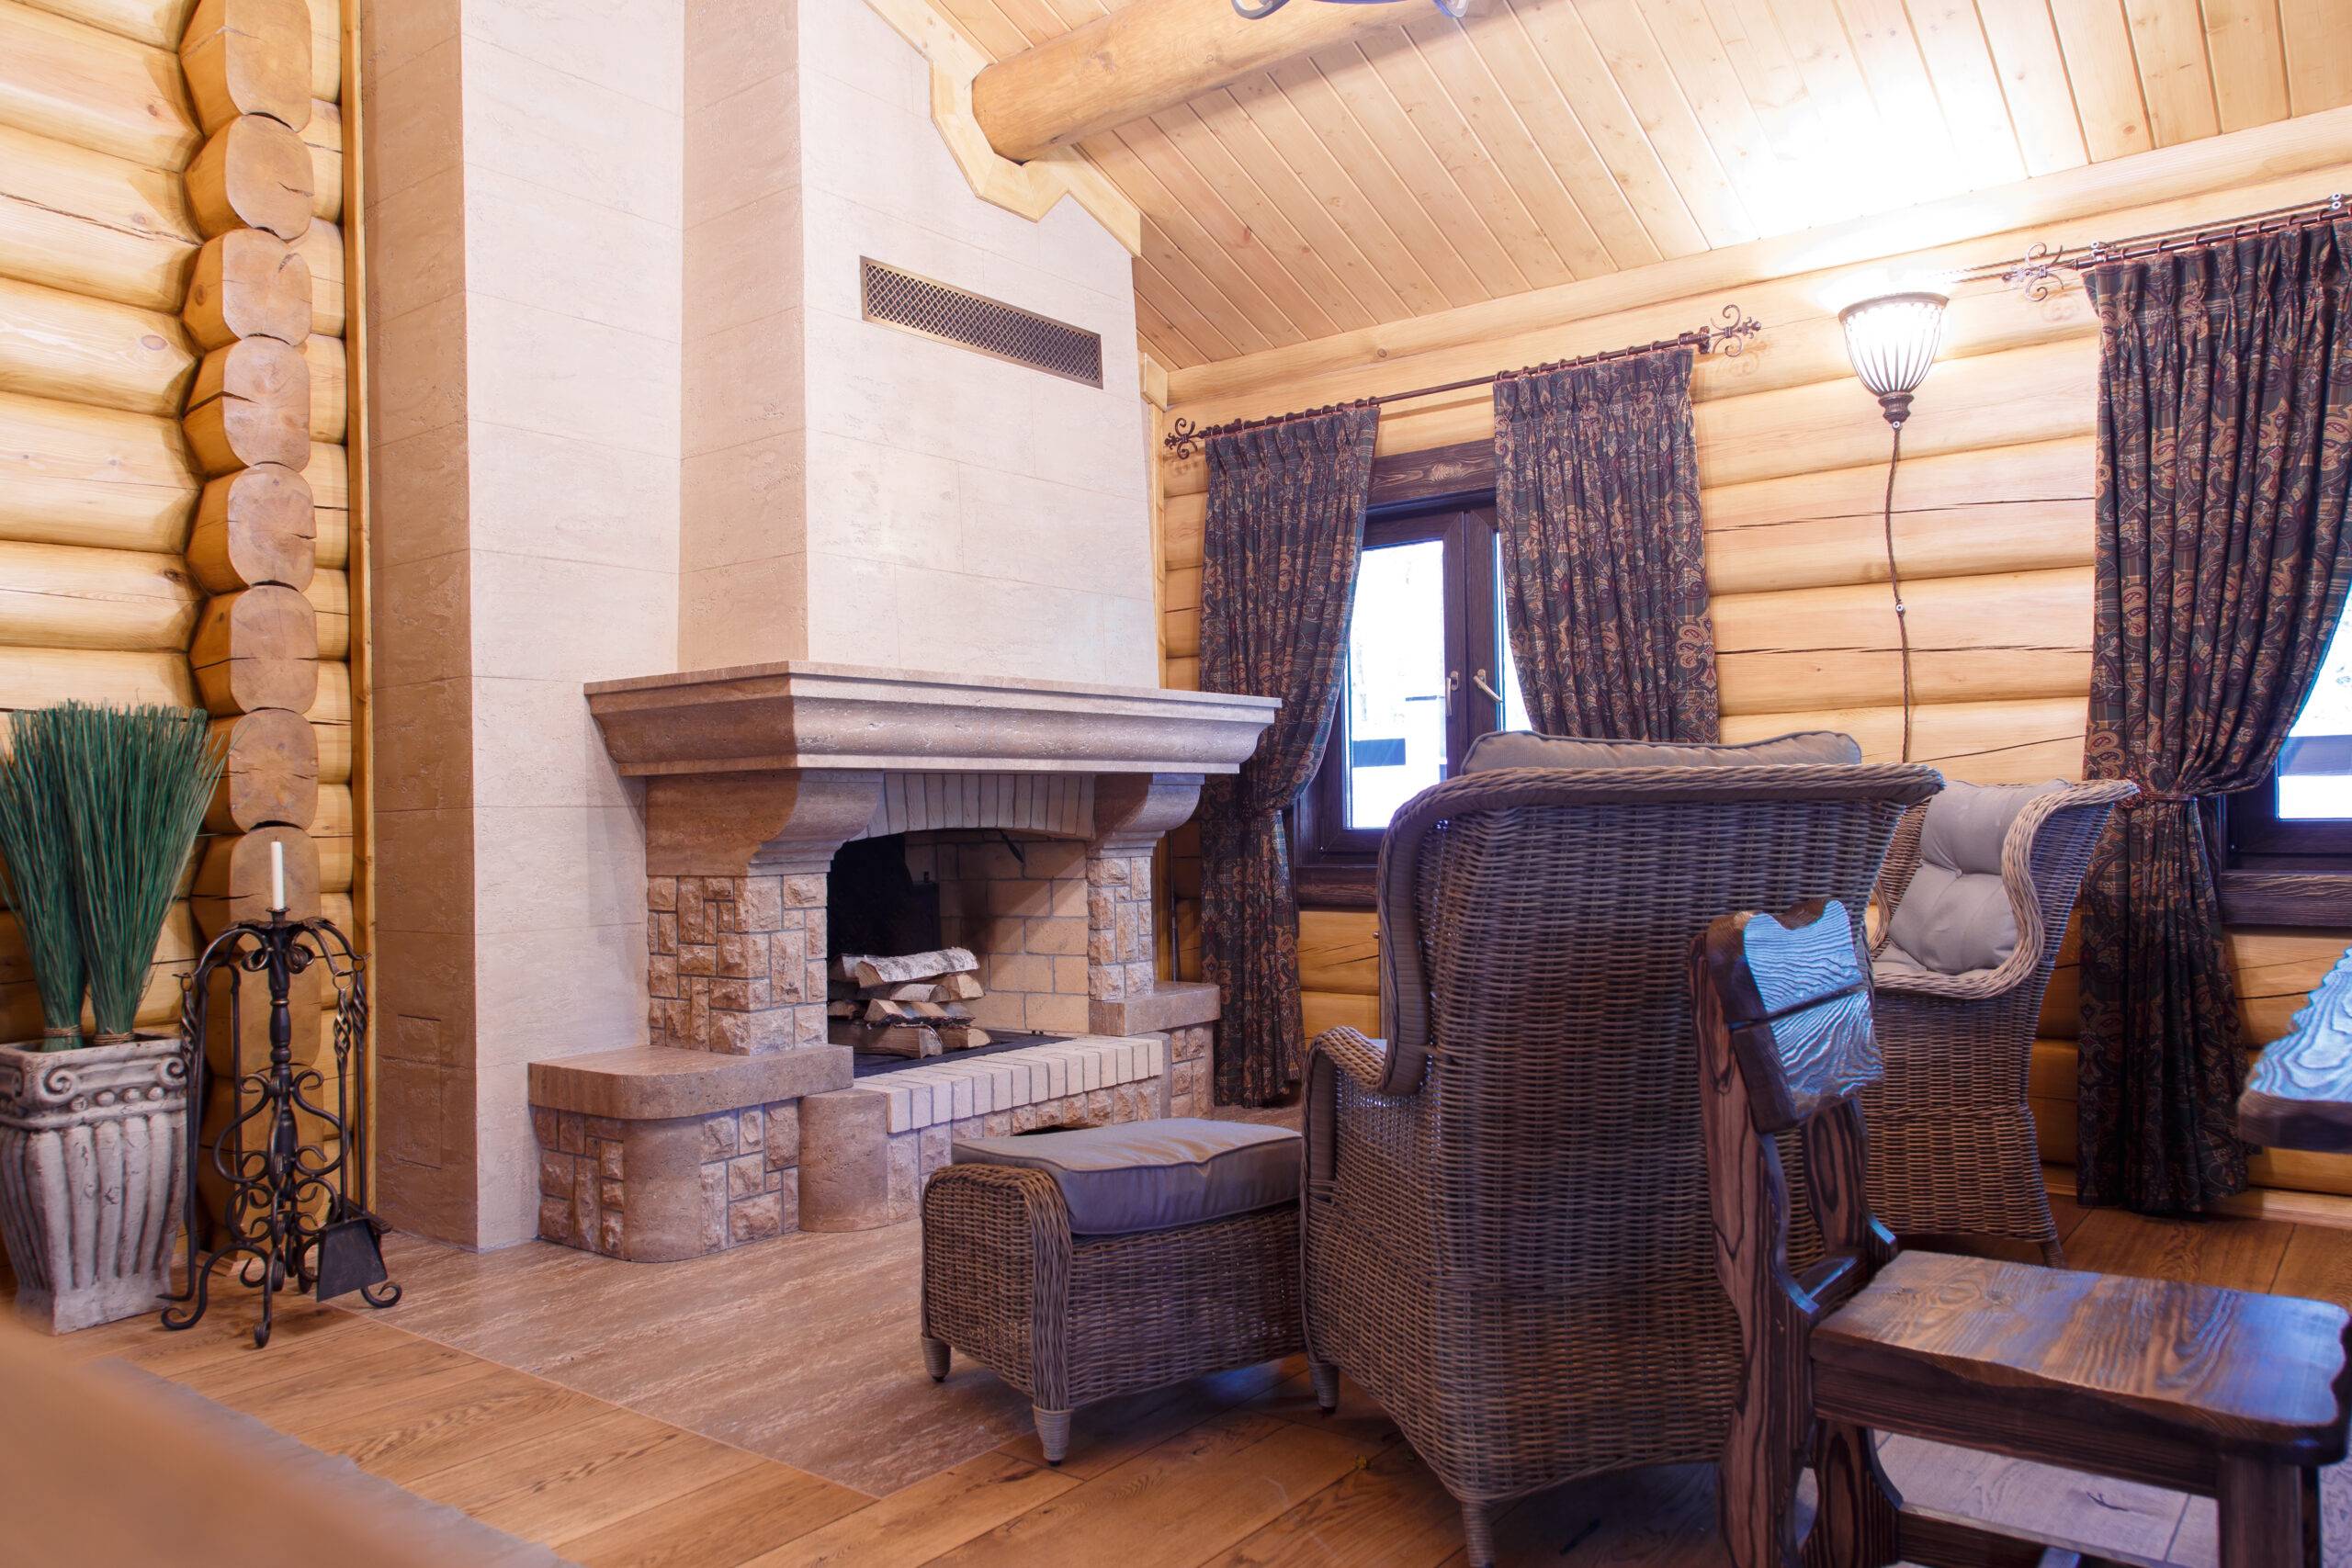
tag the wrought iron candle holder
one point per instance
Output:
(295, 1210)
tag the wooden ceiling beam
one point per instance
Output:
(1145, 57)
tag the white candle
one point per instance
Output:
(276, 873)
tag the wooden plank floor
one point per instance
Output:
(1222, 1472)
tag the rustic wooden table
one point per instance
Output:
(2299, 1096)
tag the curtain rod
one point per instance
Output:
(1731, 336)
(2037, 273)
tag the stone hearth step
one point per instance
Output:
(865, 1150)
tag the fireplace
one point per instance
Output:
(1028, 810)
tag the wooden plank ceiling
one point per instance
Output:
(1439, 164)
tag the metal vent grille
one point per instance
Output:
(928, 309)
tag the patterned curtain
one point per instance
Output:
(1286, 527)
(1597, 501)
(2225, 466)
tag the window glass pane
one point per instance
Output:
(2315, 768)
(1514, 700)
(1395, 715)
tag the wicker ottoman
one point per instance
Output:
(1105, 1260)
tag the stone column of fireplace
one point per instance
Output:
(1132, 812)
(736, 924)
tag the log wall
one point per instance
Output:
(174, 488)
(1993, 519)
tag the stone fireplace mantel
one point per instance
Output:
(756, 776)
(799, 716)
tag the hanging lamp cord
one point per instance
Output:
(1895, 581)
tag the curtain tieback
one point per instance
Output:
(2162, 797)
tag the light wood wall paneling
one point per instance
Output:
(2015, 508)
(330, 721)
(2014, 635)
(329, 390)
(252, 527)
(60, 597)
(272, 777)
(256, 648)
(95, 89)
(2019, 741)
(1993, 400)
(323, 138)
(2197, 182)
(252, 173)
(36, 677)
(248, 285)
(330, 595)
(248, 57)
(82, 474)
(77, 349)
(322, 247)
(92, 224)
(251, 404)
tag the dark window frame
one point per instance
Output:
(2278, 871)
(1334, 866)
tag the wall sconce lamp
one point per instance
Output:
(1891, 341)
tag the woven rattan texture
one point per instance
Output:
(1513, 1255)
(1952, 1150)
(1069, 1320)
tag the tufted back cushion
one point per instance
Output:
(1955, 917)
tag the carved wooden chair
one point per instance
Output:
(2228, 1394)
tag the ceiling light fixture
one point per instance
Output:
(1268, 7)
(1891, 341)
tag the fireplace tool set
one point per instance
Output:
(294, 1209)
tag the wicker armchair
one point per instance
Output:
(1506, 1241)
(1953, 1148)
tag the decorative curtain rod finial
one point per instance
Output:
(1729, 338)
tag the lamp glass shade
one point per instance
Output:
(1893, 340)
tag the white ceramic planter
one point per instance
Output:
(93, 1156)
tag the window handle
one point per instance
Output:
(1479, 681)
(1453, 685)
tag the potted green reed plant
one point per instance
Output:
(99, 809)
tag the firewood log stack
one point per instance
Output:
(912, 1004)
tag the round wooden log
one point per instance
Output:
(156, 22)
(248, 57)
(250, 405)
(93, 88)
(248, 284)
(81, 349)
(329, 391)
(271, 778)
(252, 527)
(323, 137)
(90, 224)
(63, 596)
(232, 878)
(252, 174)
(331, 528)
(257, 650)
(71, 474)
(36, 677)
(330, 717)
(328, 473)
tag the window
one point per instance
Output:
(2289, 840)
(1428, 670)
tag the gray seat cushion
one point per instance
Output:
(1149, 1176)
(1955, 917)
(1524, 749)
